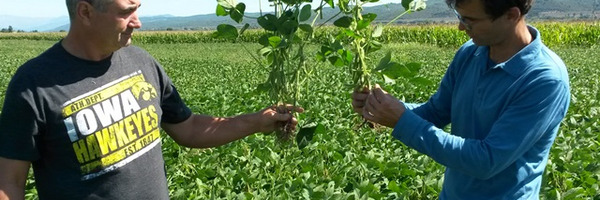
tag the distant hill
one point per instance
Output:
(437, 12)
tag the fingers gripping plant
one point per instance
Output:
(358, 38)
(282, 48)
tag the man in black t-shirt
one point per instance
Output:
(86, 114)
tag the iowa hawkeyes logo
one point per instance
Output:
(144, 91)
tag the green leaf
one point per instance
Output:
(366, 21)
(414, 67)
(275, 41)
(306, 28)
(370, 16)
(306, 134)
(421, 81)
(336, 61)
(330, 2)
(383, 63)
(417, 5)
(378, 31)
(288, 27)
(348, 57)
(343, 22)
(227, 4)
(406, 4)
(221, 11)
(227, 31)
(264, 40)
(263, 87)
(268, 22)
(237, 14)
(393, 186)
(326, 51)
(305, 13)
(395, 70)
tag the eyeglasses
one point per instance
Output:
(461, 20)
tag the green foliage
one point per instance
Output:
(282, 48)
(357, 38)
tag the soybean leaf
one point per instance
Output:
(326, 50)
(343, 22)
(320, 57)
(221, 11)
(306, 28)
(348, 57)
(227, 4)
(387, 80)
(378, 31)
(417, 5)
(264, 87)
(305, 13)
(237, 14)
(366, 21)
(275, 41)
(227, 31)
(383, 63)
(395, 70)
(421, 81)
(264, 40)
(362, 24)
(288, 27)
(393, 186)
(370, 16)
(336, 61)
(268, 22)
(406, 4)
(306, 134)
(414, 66)
(330, 2)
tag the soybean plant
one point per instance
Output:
(282, 48)
(357, 39)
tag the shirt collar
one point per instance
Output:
(519, 63)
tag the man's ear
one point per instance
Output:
(84, 12)
(513, 14)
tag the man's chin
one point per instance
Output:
(126, 43)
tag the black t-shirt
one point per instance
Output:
(91, 129)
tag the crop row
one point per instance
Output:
(553, 33)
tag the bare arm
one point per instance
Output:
(202, 131)
(13, 175)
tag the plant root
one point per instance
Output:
(286, 129)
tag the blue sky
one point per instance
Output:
(57, 8)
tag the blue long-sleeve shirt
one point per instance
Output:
(504, 118)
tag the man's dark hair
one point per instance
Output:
(497, 8)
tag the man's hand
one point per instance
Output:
(359, 99)
(381, 108)
(270, 118)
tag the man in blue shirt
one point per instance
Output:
(505, 94)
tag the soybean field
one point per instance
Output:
(344, 159)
